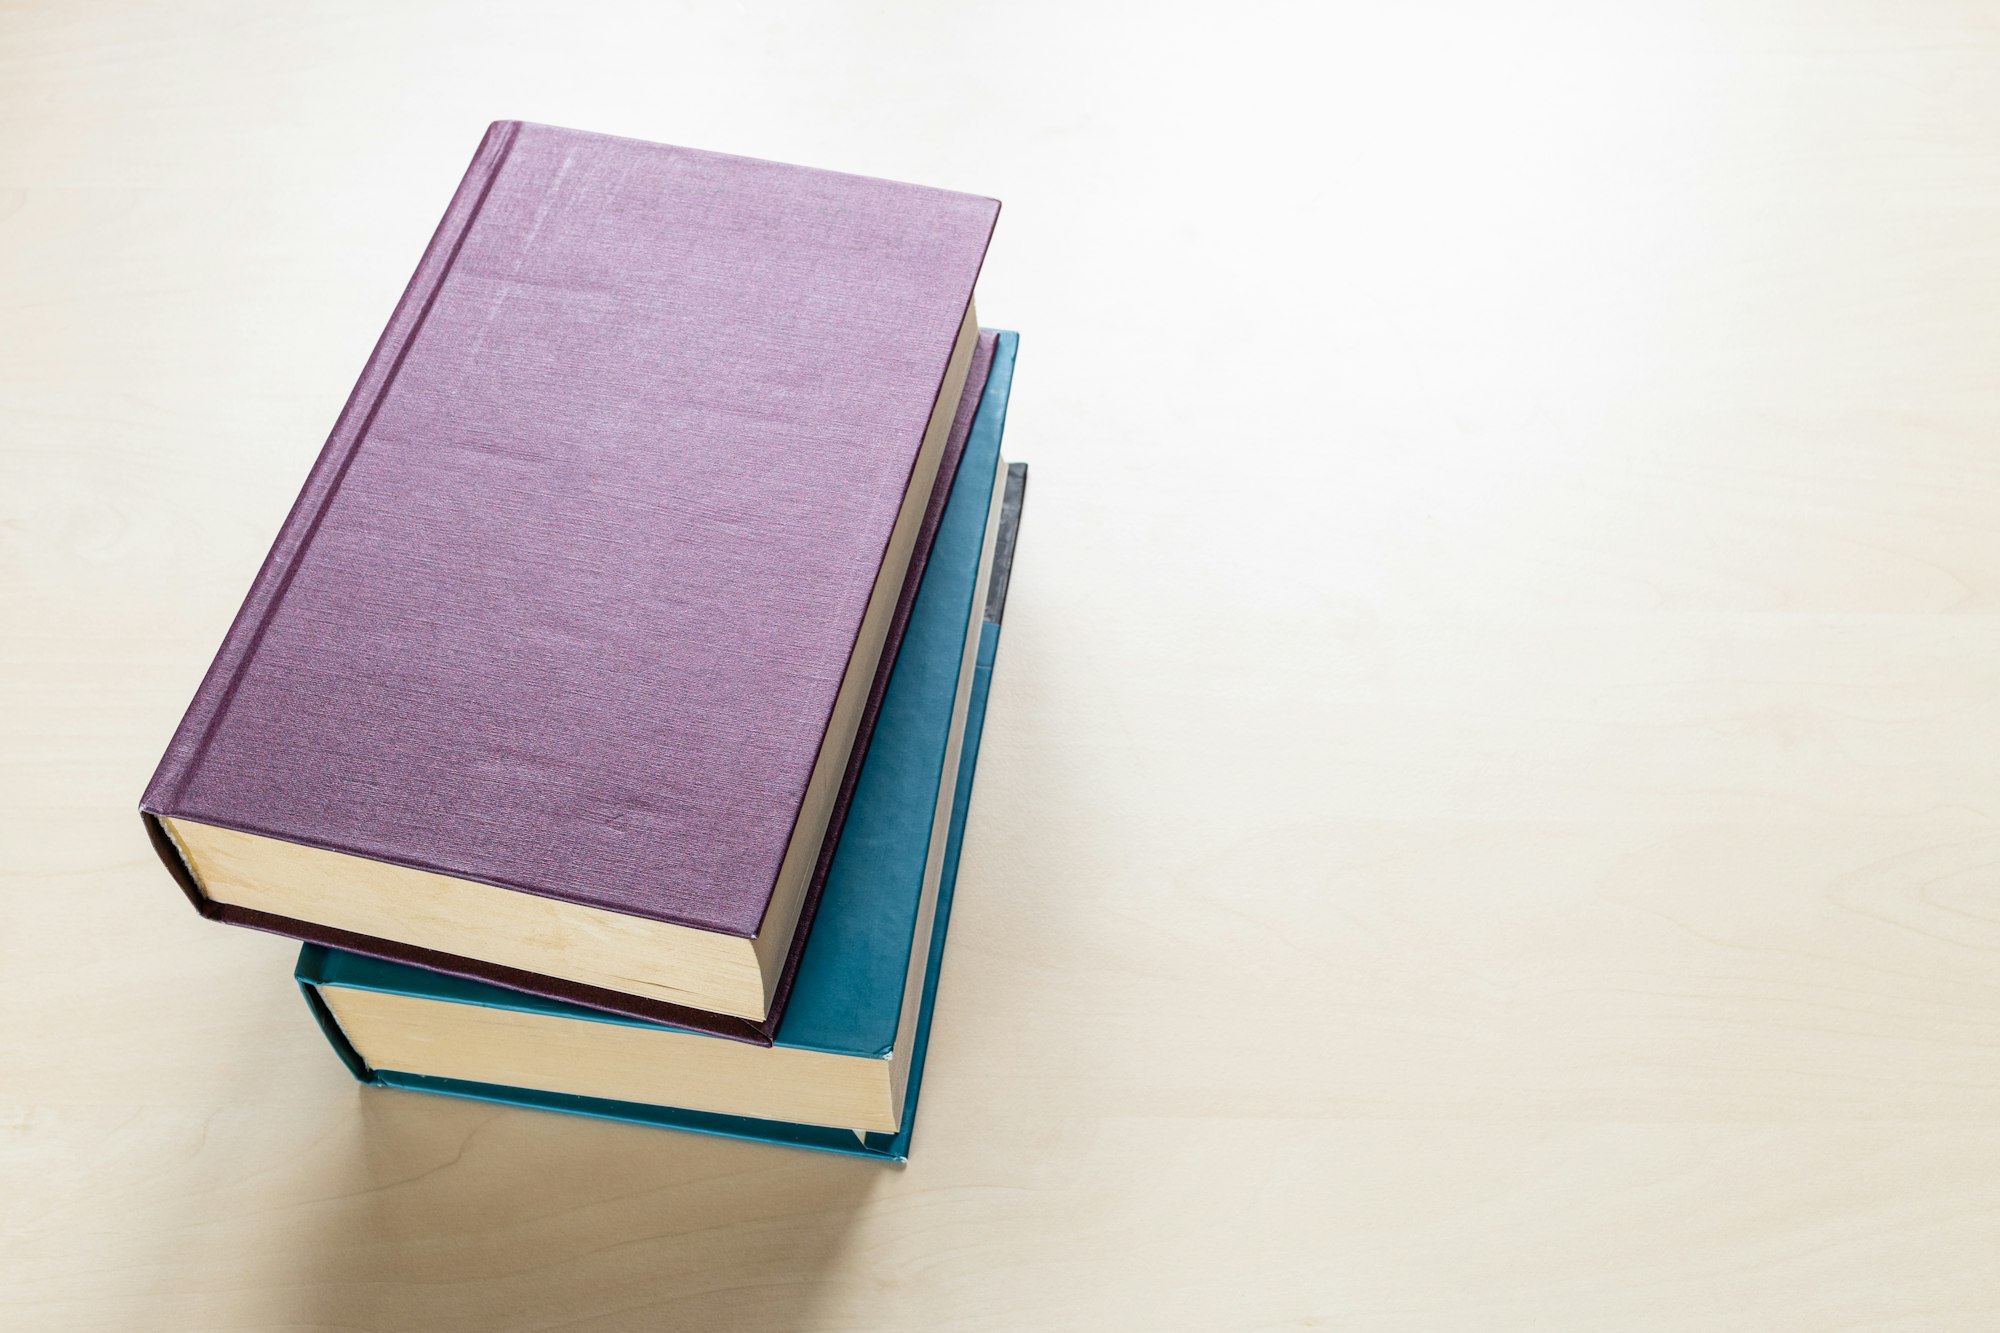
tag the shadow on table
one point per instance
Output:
(468, 1215)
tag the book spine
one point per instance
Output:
(184, 752)
(311, 972)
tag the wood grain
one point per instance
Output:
(1488, 817)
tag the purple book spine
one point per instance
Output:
(185, 750)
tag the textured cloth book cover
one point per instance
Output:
(850, 990)
(565, 602)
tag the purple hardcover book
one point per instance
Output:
(560, 672)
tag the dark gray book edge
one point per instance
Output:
(1003, 546)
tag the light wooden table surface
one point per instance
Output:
(1488, 818)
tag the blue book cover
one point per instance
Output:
(860, 994)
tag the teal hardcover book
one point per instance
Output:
(844, 1071)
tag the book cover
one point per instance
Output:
(572, 602)
(859, 991)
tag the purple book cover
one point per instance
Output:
(565, 602)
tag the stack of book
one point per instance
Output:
(604, 717)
